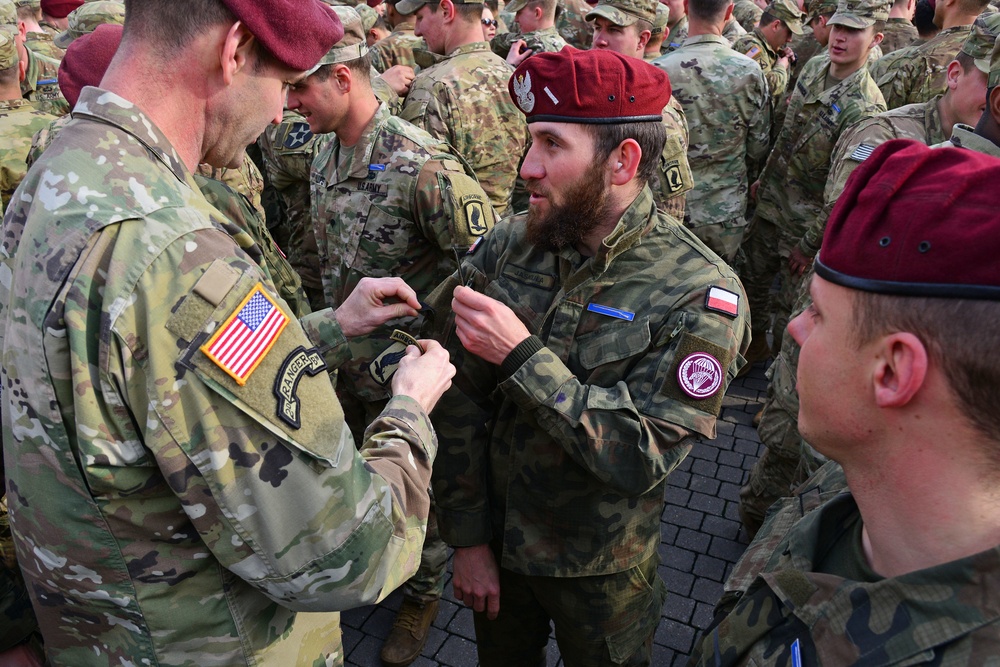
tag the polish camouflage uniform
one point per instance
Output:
(288, 150)
(18, 123)
(572, 24)
(586, 417)
(917, 73)
(545, 40)
(776, 597)
(790, 195)
(725, 96)
(124, 429)
(747, 13)
(462, 100)
(787, 460)
(899, 33)
(398, 47)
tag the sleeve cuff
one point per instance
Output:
(519, 355)
(325, 333)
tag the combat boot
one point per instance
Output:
(409, 632)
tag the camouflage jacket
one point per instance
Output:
(918, 73)
(792, 183)
(899, 33)
(40, 85)
(725, 98)
(572, 25)
(19, 121)
(463, 100)
(778, 610)
(732, 30)
(561, 454)
(805, 47)
(753, 45)
(677, 36)
(288, 150)
(674, 178)
(397, 203)
(921, 122)
(41, 42)
(398, 47)
(963, 136)
(747, 13)
(547, 40)
(163, 512)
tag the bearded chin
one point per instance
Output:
(584, 207)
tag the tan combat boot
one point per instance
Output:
(409, 632)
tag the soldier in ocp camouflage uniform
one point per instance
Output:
(36, 38)
(387, 200)
(657, 34)
(179, 476)
(572, 24)
(899, 29)
(747, 13)
(537, 27)
(19, 121)
(460, 99)
(725, 96)
(916, 74)
(985, 138)
(901, 568)
(398, 47)
(594, 337)
(39, 85)
(766, 45)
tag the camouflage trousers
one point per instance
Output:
(599, 621)
(427, 583)
(787, 459)
(724, 238)
(766, 250)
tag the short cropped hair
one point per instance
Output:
(650, 136)
(471, 12)
(172, 24)
(960, 337)
(708, 10)
(548, 7)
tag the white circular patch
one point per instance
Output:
(700, 375)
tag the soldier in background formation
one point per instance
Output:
(899, 29)
(767, 45)
(537, 33)
(657, 34)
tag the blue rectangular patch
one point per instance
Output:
(611, 312)
(796, 654)
(835, 108)
(376, 167)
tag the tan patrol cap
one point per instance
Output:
(8, 50)
(819, 8)
(34, 4)
(994, 79)
(662, 19)
(85, 19)
(352, 45)
(411, 6)
(787, 11)
(860, 13)
(8, 13)
(624, 12)
(979, 44)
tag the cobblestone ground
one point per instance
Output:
(701, 541)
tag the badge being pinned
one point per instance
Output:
(243, 341)
(522, 90)
(699, 375)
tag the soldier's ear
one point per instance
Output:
(235, 51)
(624, 162)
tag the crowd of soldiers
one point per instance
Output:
(299, 296)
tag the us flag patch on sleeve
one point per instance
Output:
(723, 301)
(243, 341)
(862, 152)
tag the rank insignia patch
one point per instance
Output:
(243, 340)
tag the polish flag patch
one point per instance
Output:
(723, 301)
(243, 341)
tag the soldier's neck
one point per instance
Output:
(698, 27)
(363, 108)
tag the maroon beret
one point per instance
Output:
(87, 59)
(373, 3)
(60, 9)
(297, 32)
(595, 86)
(916, 221)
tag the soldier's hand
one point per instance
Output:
(476, 579)
(518, 53)
(798, 263)
(374, 302)
(753, 190)
(399, 78)
(424, 377)
(486, 327)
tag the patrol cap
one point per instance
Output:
(8, 13)
(787, 11)
(296, 32)
(917, 221)
(8, 50)
(515, 6)
(411, 6)
(979, 44)
(59, 9)
(34, 4)
(994, 74)
(597, 86)
(860, 13)
(88, 16)
(87, 59)
(352, 45)
(817, 8)
(368, 17)
(624, 12)
(662, 18)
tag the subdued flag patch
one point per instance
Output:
(243, 341)
(862, 152)
(723, 301)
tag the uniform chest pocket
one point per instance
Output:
(613, 342)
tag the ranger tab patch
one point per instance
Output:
(242, 342)
(723, 301)
(286, 384)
